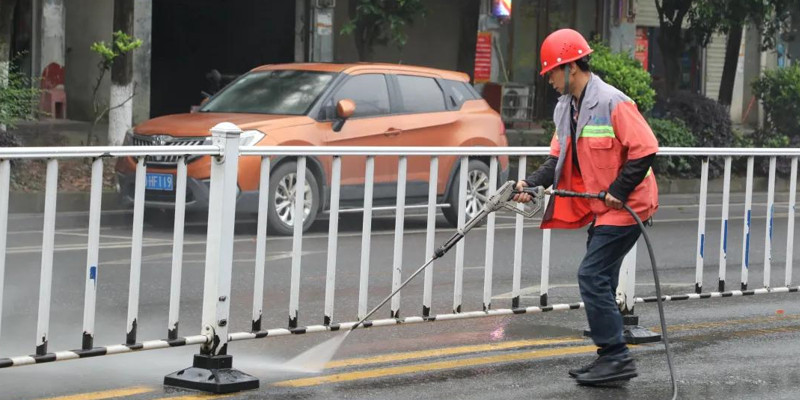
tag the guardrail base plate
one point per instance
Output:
(213, 374)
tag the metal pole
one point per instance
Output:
(400, 215)
(545, 281)
(723, 229)
(48, 238)
(297, 241)
(366, 235)
(518, 242)
(770, 222)
(430, 235)
(748, 208)
(177, 251)
(333, 234)
(136, 252)
(219, 241)
(701, 227)
(458, 280)
(490, 220)
(626, 288)
(790, 227)
(5, 181)
(261, 245)
(92, 253)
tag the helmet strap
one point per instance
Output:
(566, 79)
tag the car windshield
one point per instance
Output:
(287, 92)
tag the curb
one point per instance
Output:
(20, 203)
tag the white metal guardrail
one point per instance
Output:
(213, 335)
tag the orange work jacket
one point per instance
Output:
(610, 131)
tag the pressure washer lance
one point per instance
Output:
(502, 200)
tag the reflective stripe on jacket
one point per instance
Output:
(610, 131)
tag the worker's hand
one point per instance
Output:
(522, 197)
(613, 202)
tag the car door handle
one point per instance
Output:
(392, 132)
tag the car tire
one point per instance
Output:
(280, 212)
(477, 183)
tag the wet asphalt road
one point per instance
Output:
(725, 348)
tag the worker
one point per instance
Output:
(601, 144)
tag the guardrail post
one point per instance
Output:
(212, 369)
(626, 289)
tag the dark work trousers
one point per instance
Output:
(598, 277)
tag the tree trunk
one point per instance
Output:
(120, 117)
(670, 44)
(729, 69)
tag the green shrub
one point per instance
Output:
(625, 73)
(708, 121)
(672, 133)
(779, 93)
(19, 98)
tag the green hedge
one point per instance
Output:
(672, 133)
(779, 93)
(625, 73)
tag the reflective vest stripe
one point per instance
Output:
(597, 131)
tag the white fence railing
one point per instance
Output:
(213, 334)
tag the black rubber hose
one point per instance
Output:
(658, 299)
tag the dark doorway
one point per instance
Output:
(192, 37)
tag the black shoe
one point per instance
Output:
(608, 370)
(582, 370)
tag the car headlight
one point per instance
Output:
(251, 137)
(128, 140)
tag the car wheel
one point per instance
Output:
(477, 192)
(281, 211)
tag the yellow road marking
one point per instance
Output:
(708, 325)
(447, 351)
(106, 394)
(742, 334)
(197, 397)
(435, 366)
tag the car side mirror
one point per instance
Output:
(344, 110)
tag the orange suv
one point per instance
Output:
(328, 105)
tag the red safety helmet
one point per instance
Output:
(561, 47)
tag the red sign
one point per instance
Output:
(641, 48)
(483, 58)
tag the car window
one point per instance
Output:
(471, 89)
(369, 92)
(457, 93)
(419, 94)
(289, 92)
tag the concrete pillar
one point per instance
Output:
(142, 29)
(52, 37)
(321, 31)
(622, 37)
(300, 30)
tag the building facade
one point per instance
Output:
(192, 47)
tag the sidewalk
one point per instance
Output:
(59, 132)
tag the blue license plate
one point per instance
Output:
(160, 182)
